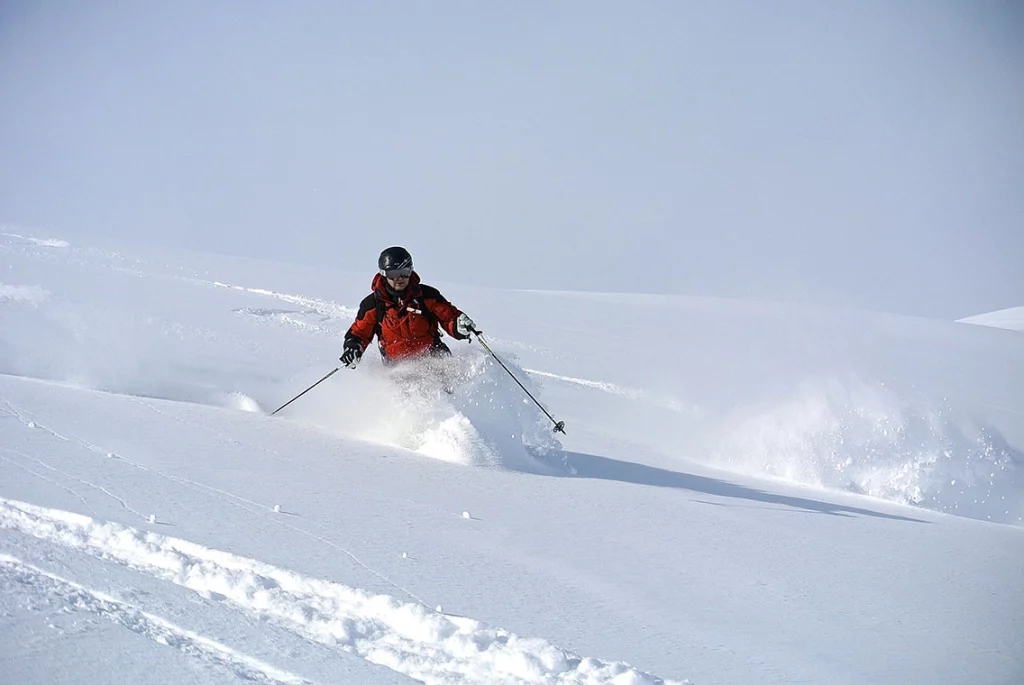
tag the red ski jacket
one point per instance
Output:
(406, 324)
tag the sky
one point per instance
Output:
(863, 154)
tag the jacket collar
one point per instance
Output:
(385, 293)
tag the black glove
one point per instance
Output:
(352, 354)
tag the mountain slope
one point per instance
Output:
(700, 520)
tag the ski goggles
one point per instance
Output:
(395, 274)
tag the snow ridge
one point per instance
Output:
(146, 624)
(40, 242)
(407, 638)
(313, 304)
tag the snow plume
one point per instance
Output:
(865, 437)
(241, 402)
(33, 342)
(463, 409)
(22, 294)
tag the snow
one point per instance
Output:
(1011, 319)
(27, 294)
(41, 242)
(18, 576)
(749, 492)
(404, 636)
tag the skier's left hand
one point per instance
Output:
(464, 326)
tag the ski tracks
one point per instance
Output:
(209, 651)
(247, 505)
(407, 638)
(329, 310)
(34, 425)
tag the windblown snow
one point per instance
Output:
(760, 493)
(23, 294)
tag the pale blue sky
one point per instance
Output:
(862, 153)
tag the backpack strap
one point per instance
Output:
(381, 307)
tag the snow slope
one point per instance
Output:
(747, 491)
(1011, 319)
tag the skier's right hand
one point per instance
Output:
(352, 354)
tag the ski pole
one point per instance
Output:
(559, 425)
(305, 391)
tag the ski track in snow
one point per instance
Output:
(45, 478)
(224, 437)
(410, 639)
(206, 650)
(293, 319)
(124, 504)
(339, 311)
(92, 448)
(243, 503)
(38, 242)
(326, 309)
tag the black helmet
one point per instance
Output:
(395, 261)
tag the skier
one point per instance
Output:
(404, 314)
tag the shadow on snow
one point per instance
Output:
(604, 468)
